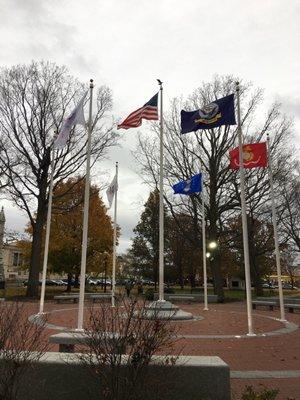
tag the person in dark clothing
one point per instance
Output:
(128, 287)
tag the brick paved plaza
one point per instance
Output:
(273, 359)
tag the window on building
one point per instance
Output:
(16, 259)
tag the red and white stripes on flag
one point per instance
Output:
(148, 111)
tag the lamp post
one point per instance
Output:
(212, 245)
(210, 249)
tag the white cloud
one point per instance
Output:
(128, 44)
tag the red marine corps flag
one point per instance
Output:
(254, 155)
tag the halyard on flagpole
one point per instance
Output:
(274, 220)
(161, 200)
(48, 225)
(114, 241)
(244, 219)
(85, 217)
(204, 247)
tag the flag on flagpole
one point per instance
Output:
(76, 117)
(219, 112)
(192, 185)
(112, 189)
(148, 111)
(254, 155)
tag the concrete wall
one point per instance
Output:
(61, 377)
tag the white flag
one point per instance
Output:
(113, 187)
(76, 117)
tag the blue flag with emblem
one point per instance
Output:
(217, 113)
(190, 186)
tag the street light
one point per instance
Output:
(212, 245)
(208, 254)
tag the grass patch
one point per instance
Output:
(19, 292)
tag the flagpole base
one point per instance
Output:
(165, 310)
(251, 334)
(282, 320)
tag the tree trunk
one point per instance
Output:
(213, 215)
(255, 270)
(217, 276)
(37, 234)
(215, 263)
(36, 251)
(69, 286)
(180, 273)
(76, 281)
(257, 283)
(155, 270)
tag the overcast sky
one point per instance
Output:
(127, 44)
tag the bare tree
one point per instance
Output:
(22, 344)
(34, 99)
(208, 151)
(122, 343)
(289, 200)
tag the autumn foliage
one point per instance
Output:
(66, 230)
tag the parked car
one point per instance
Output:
(92, 282)
(25, 283)
(288, 286)
(268, 286)
(60, 282)
(102, 282)
(50, 282)
(66, 281)
(148, 282)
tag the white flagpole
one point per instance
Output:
(114, 243)
(161, 202)
(48, 224)
(204, 248)
(274, 220)
(85, 217)
(244, 218)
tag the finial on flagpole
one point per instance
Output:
(91, 83)
(159, 82)
(237, 85)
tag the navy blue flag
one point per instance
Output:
(192, 185)
(219, 112)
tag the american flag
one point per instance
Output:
(148, 111)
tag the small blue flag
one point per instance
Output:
(192, 185)
(219, 112)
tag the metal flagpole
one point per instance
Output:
(161, 202)
(204, 249)
(115, 243)
(274, 220)
(85, 217)
(244, 218)
(48, 224)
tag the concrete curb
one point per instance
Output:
(265, 374)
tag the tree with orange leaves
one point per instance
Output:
(66, 231)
